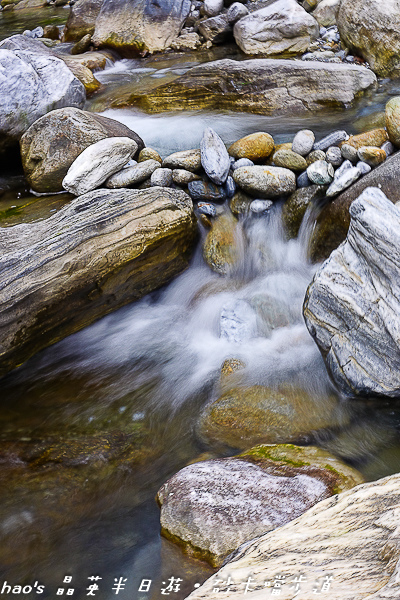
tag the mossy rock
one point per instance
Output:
(296, 206)
(244, 417)
(288, 460)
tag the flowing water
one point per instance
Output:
(145, 372)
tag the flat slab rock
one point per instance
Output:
(352, 306)
(101, 251)
(352, 537)
(212, 507)
(264, 86)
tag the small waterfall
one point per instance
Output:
(178, 338)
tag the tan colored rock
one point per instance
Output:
(82, 73)
(375, 137)
(240, 203)
(81, 19)
(255, 147)
(265, 182)
(185, 159)
(222, 245)
(326, 12)
(392, 117)
(352, 537)
(243, 417)
(314, 156)
(149, 154)
(372, 155)
(99, 252)
(289, 160)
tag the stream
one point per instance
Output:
(147, 370)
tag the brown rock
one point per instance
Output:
(289, 160)
(149, 154)
(371, 155)
(392, 116)
(255, 147)
(376, 137)
(221, 250)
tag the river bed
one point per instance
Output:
(149, 368)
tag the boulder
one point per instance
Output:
(82, 19)
(53, 142)
(139, 26)
(216, 29)
(97, 163)
(243, 417)
(345, 548)
(326, 12)
(101, 251)
(352, 305)
(263, 86)
(282, 27)
(333, 222)
(363, 27)
(212, 507)
(265, 182)
(32, 83)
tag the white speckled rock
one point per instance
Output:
(95, 164)
(303, 142)
(352, 305)
(320, 172)
(280, 27)
(214, 157)
(161, 177)
(216, 505)
(265, 182)
(352, 537)
(348, 177)
(236, 11)
(133, 175)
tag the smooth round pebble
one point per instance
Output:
(161, 177)
(320, 172)
(363, 167)
(303, 142)
(230, 187)
(334, 156)
(371, 155)
(314, 156)
(149, 154)
(183, 177)
(349, 152)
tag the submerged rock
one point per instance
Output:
(99, 252)
(282, 27)
(97, 162)
(262, 86)
(33, 82)
(212, 507)
(349, 543)
(139, 26)
(221, 251)
(242, 417)
(351, 307)
(53, 142)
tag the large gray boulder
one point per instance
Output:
(352, 305)
(372, 29)
(214, 506)
(349, 542)
(32, 82)
(81, 19)
(53, 142)
(282, 27)
(101, 251)
(264, 86)
(140, 26)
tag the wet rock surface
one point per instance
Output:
(351, 306)
(62, 300)
(212, 507)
